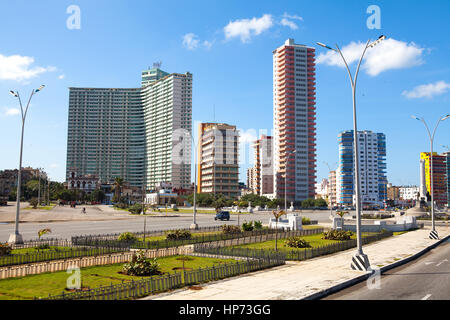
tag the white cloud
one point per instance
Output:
(246, 28)
(207, 44)
(54, 165)
(292, 16)
(62, 76)
(427, 90)
(387, 55)
(288, 23)
(190, 42)
(20, 68)
(12, 111)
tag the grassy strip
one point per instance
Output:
(28, 287)
(314, 240)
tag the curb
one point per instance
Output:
(351, 282)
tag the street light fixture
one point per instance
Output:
(16, 237)
(360, 261)
(285, 179)
(433, 232)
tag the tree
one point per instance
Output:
(97, 195)
(319, 203)
(34, 202)
(308, 203)
(118, 184)
(42, 232)
(277, 215)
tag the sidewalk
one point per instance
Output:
(298, 280)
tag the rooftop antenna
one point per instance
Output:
(157, 64)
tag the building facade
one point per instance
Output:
(372, 166)
(262, 174)
(409, 192)
(218, 154)
(167, 107)
(132, 133)
(294, 121)
(332, 184)
(447, 161)
(440, 183)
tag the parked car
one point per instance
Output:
(223, 215)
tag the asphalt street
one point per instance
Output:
(427, 278)
(67, 229)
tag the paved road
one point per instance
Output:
(183, 220)
(427, 278)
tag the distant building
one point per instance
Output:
(372, 166)
(294, 110)
(86, 183)
(164, 195)
(141, 135)
(322, 189)
(447, 161)
(218, 166)
(408, 192)
(252, 180)
(8, 178)
(440, 184)
(332, 189)
(393, 192)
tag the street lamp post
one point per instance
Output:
(433, 233)
(285, 180)
(16, 237)
(194, 224)
(360, 261)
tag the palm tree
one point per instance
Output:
(277, 215)
(118, 184)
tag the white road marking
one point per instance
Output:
(427, 263)
(426, 297)
(445, 260)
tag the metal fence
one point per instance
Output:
(150, 233)
(125, 290)
(290, 254)
(54, 242)
(99, 241)
(56, 254)
(134, 289)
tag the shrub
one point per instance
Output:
(5, 249)
(121, 205)
(43, 246)
(127, 236)
(141, 266)
(337, 235)
(176, 209)
(258, 225)
(34, 203)
(306, 221)
(230, 229)
(135, 208)
(247, 226)
(178, 234)
(297, 242)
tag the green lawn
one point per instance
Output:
(28, 287)
(314, 240)
(34, 250)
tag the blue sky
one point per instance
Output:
(228, 45)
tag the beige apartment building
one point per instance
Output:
(218, 166)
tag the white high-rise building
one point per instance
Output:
(372, 166)
(294, 114)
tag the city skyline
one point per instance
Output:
(238, 44)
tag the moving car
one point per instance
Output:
(223, 215)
